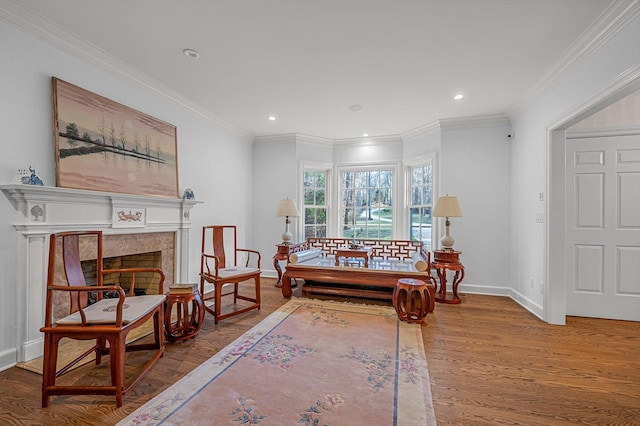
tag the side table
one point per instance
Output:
(284, 250)
(411, 300)
(187, 324)
(444, 260)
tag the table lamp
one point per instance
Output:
(287, 208)
(447, 207)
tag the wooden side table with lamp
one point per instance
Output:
(447, 258)
(286, 208)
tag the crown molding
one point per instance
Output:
(475, 122)
(614, 18)
(43, 29)
(424, 130)
(285, 138)
(314, 140)
(369, 140)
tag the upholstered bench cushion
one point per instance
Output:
(304, 255)
(419, 263)
(236, 270)
(104, 311)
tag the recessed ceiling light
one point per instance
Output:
(355, 108)
(191, 54)
(272, 118)
(364, 135)
(458, 96)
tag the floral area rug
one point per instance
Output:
(310, 362)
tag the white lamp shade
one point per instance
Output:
(447, 206)
(287, 207)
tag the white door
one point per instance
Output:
(603, 227)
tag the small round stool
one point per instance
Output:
(187, 325)
(411, 300)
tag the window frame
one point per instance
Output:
(408, 176)
(396, 194)
(327, 170)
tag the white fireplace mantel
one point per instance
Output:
(42, 210)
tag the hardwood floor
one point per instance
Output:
(490, 363)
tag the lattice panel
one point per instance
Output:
(389, 249)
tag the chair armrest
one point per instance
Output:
(249, 251)
(133, 272)
(88, 288)
(205, 265)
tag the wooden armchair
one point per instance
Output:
(218, 270)
(108, 320)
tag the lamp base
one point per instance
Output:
(286, 237)
(447, 241)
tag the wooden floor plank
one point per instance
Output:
(490, 361)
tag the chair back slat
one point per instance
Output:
(218, 245)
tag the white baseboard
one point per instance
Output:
(8, 359)
(32, 349)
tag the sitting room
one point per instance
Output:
(487, 151)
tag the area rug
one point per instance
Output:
(310, 362)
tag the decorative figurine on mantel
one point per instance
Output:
(188, 194)
(28, 177)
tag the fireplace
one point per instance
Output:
(161, 230)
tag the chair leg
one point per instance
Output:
(117, 358)
(49, 366)
(257, 280)
(218, 302)
(100, 348)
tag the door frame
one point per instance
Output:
(554, 295)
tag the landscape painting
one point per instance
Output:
(102, 145)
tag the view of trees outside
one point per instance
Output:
(315, 206)
(421, 203)
(366, 204)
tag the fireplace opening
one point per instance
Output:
(146, 282)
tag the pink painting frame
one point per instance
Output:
(101, 145)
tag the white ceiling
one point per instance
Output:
(306, 61)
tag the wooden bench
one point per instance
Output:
(390, 260)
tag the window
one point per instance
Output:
(315, 206)
(421, 202)
(366, 204)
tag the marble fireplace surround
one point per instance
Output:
(130, 224)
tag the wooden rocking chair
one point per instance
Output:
(108, 320)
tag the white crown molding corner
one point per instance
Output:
(314, 140)
(614, 18)
(424, 130)
(12, 12)
(284, 138)
(475, 122)
(369, 140)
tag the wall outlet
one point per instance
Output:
(530, 282)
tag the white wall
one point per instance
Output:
(213, 159)
(573, 92)
(474, 166)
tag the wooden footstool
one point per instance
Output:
(187, 325)
(411, 300)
